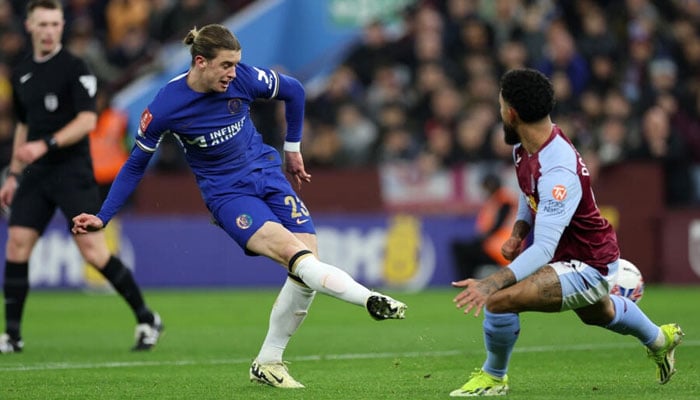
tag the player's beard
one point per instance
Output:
(510, 135)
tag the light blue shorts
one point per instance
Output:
(581, 284)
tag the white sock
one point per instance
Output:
(659, 342)
(288, 312)
(331, 280)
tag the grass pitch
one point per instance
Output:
(77, 347)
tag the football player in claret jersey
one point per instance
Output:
(54, 99)
(573, 258)
(241, 180)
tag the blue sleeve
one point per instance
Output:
(124, 184)
(560, 193)
(291, 91)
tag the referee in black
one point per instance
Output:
(54, 100)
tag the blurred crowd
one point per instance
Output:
(626, 75)
(424, 91)
(119, 39)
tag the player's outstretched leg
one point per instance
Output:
(335, 282)
(661, 341)
(481, 383)
(664, 357)
(381, 306)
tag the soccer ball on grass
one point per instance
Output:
(630, 282)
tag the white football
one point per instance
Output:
(630, 282)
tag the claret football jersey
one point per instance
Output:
(547, 180)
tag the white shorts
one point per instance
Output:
(581, 284)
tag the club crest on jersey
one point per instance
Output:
(234, 106)
(559, 192)
(244, 221)
(51, 102)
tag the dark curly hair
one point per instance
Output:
(529, 92)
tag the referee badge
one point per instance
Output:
(51, 102)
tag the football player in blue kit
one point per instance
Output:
(207, 108)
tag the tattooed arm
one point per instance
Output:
(477, 291)
(514, 245)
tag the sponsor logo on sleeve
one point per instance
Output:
(553, 207)
(559, 192)
(146, 118)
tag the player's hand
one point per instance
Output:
(85, 223)
(511, 248)
(294, 165)
(30, 151)
(473, 297)
(7, 191)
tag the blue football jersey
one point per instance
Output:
(221, 143)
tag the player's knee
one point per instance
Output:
(16, 251)
(501, 302)
(95, 256)
(599, 314)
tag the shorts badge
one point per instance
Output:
(244, 221)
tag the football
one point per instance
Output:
(630, 282)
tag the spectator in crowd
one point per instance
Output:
(387, 86)
(612, 143)
(83, 42)
(563, 56)
(358, 136)
(471, 140)
(661, 144)
(397, 145)
(185, 13)
(123, 16)
(371, 52)
(621, 51)
(596, 36)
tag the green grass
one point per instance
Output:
(77, 348)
